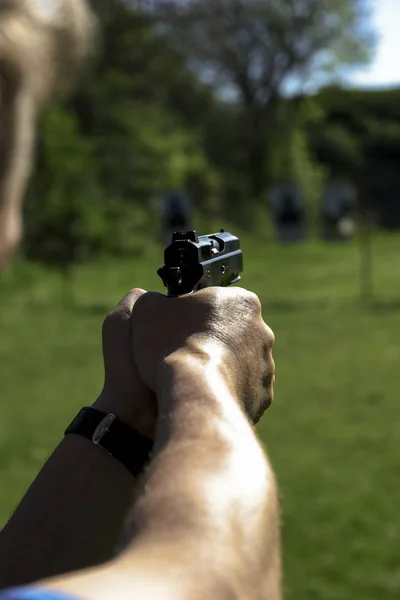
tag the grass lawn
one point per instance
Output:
(333, 434)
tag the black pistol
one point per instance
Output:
(193, 262)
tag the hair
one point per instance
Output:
(43, 45)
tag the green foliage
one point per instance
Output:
(65, 207)
(356, 124)
(144, 141)
(306, 171)
(291, 157)
(69, 218)
(343, 147)
(359, 139)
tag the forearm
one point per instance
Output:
(70, 518)
(210, 493)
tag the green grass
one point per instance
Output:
(333, 434)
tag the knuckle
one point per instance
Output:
(133, 296)
(272, 369)
(253, 302)
(137, 292)
(268, 339)
(270, 336)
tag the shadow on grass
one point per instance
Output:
(389, 305)
(285, 305)
(44, 305)
(293, 305)
(92, 309)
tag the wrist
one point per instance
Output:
(123, 408)
(197, 377)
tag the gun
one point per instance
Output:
(193, 263)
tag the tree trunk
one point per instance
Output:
(261, 126)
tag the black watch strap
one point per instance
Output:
(115, 437)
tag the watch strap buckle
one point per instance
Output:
(102, 428)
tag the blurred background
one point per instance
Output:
(278, 120)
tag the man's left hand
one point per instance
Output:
(124, 393)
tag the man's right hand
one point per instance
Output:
(220, 324)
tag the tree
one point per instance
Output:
(143, 110)
(359, 139)
(254, 51)
(65, 209)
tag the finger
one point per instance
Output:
(268, 383)
(125, 307)
(267, 400)
(269, 336)
(271, 371)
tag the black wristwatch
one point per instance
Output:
(115, 437)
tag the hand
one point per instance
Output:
(223, 321)
(124, 393)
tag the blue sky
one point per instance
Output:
(384, 71)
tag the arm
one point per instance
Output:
(206, 523)
(71, 516)
(210, 494)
